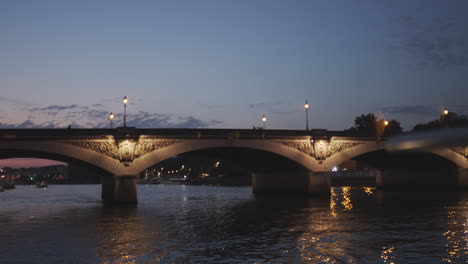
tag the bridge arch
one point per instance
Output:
(60, 151)
(361, 149)
(159, 155)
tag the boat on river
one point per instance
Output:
(42, 184)
(7, 184)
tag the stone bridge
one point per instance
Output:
(120, 154)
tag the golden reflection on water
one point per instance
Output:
(311, 245)
(387, 255)
(368, 190)
(456, 236)
(343, 197)
(125, 238)
(333, 198)
(347, 204)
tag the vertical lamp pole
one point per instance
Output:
(306, 106)
(111, 117)
(125, 101)
(444, 118)
(263, 120)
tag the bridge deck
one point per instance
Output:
(13, 134)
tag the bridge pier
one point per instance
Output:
(119, 189)
(462, 180)
(305, 183)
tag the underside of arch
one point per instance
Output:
(157, 156)
(61, 152)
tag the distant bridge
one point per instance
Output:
(122, 153)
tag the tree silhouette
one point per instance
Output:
(367, 125)
(451, 120)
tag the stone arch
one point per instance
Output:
(350, 153)
(159, 155)
(62, 151)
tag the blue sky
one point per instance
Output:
(227, 63)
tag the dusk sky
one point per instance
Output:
(224, 64)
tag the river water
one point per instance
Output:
(203, 224)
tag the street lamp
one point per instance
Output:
(443, 118)
(111, 117)
(125, 101)
(263, 120)
(306, 106)
(385, 123)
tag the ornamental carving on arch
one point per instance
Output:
(302, 145)
(125, 150)
(337, 146)
(461, 150)
(320, 149)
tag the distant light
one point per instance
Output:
(111, 116)
(311, 141)
(306, 105)
(263, 119)
(386, 123)
(335, 169)
(125, 100)
(446, 111)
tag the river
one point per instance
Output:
(204, 224)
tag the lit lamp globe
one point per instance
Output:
(125, 101)
(111, 117)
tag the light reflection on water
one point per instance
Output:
(198, 224)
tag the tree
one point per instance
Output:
(368, 125)
(451, 120)
(364, 125)
(393, 128)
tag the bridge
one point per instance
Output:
(120, 154)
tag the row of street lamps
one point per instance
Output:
(264, 119)
(125, 102)
(306, 107)
(112, 116)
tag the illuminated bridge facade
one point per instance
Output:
(120, 154)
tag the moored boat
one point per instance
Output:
(7, 184)
(42, 184)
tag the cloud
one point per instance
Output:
(257, 105)
(420, 110)
(54, 108)
(60, 116)
(438, 43)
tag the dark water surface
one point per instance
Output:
(198, 224)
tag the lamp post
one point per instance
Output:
(263, 120)
(125, 101)
(111, 117)
(444, 118)
(306, 106)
